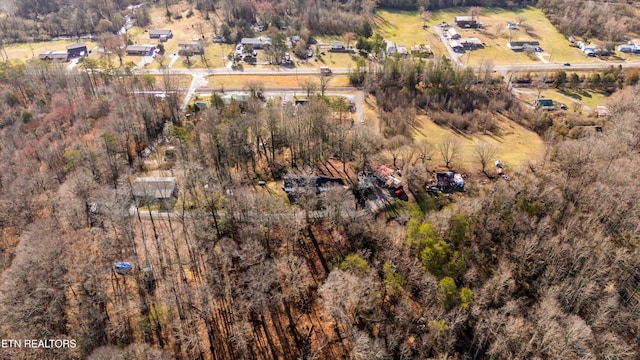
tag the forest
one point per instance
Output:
(541, 266)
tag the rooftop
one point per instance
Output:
(154, 187)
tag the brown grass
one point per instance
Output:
(270, 81)
(516, 145)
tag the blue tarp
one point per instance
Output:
(123, 266)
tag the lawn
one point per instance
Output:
(28, 51)
(405, 28)
(590, 99)
(239, 81)
(516, 146)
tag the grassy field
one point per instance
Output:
(590, 99)
(29, 51)
(270, 82)
(516, 146)
(405, 28)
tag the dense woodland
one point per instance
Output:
(541, 266)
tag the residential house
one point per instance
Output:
(522, 45)
(544, 104)
(297, 185)
(163, 35)
(467, 21)
(630, 49)
(453, 34)
(195, 47)
(54, 56)
(336, 46)
(155, 190)
(141, 50)
(77, 50)
(471, 43)
(240, 98)
(456, 46)
(256, 43)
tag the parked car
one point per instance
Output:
(563, 107)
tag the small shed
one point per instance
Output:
(391, 48)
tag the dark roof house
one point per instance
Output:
(77, 50)
(522, 45)
(544, 104)
(466, 21)
(143, 50)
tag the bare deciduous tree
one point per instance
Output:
(449, 150)
(484, 152)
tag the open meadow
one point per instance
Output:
(588, 98)
(516, 146)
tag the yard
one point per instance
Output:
(516, 146)
(405, 28)
(24, 52)
(590, 99)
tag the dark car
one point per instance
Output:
(567, 64)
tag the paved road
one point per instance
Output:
(247, 70)
(558, 66)
(455, 57)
